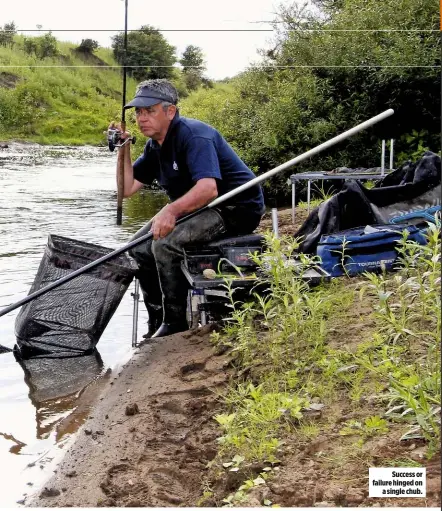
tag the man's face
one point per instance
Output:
(154, 120)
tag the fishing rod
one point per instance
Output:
(123, 149)
(216, 202)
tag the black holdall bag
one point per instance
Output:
(410, 194)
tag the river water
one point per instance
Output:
(70, 192)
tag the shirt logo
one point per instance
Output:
(175, 166)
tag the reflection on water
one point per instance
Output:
(142, 205)
(55, 385)
(68, 192)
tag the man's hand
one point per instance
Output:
(163, 223)
(117, 126)
(131, 185)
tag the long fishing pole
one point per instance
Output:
(123, 149)
(216, 202)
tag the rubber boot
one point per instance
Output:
(174, 321)
(155, 319)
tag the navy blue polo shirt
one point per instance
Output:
(193, 150)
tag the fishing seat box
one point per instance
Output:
(236, 249)
(364, 248)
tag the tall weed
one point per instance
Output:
(408, 315)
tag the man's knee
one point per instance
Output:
(142, 253)
(133, 253)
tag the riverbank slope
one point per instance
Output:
(152, 439)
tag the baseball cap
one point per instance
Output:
(148, 97)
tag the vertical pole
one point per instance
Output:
(293, 201)
(275, 222)
(120, 180)
(194, 301)
(383, 158)
(308, 196)
(391, 154)
(136, 295)
(122, 150)
(202, 301)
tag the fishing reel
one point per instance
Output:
(114, 139)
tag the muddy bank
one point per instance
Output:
(151, 433)
(151, 437)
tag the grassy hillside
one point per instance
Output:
(58, 105)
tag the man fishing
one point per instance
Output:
(194, 164)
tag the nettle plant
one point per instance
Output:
(285, 312)
(253, 428)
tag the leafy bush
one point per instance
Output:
(88, 46)
(30, 46)
(47, 46)
(328, 73)
(7, 33)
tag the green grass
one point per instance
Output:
(286, 366)
(320, 195)
(60, 105)
(277, 340)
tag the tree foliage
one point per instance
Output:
(192, 58)
(192, 61)
(7, 33)
(149, 55)
(47, 46)
(88, 46)
(327, 73)
(30, 46)
(41, 47)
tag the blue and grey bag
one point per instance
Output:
(364, 248)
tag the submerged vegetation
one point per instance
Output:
(295, 372)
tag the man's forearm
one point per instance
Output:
(197, 197)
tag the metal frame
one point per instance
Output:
(322, 176)
(201, 288)
(318, 176)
